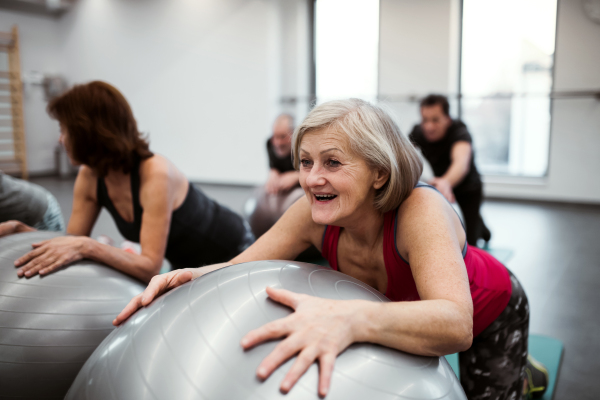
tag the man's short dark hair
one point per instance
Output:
(437, 99)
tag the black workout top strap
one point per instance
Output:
(201, 231)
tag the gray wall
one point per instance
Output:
(209, 75)
(204, 78)
(418, 53)
(419, 49)
(575, 133)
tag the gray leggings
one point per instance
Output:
(493, 368)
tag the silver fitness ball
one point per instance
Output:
(186, 345)
(50, 325)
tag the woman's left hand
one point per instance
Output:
(319, 329)
(50, 255)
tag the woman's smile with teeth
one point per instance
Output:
(325, 197)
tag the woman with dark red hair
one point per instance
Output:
(150, 200)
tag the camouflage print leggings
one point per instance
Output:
(494, 367)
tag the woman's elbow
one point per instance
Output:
(465, 340)
(456, 339)
(463, 335)
(148, 271)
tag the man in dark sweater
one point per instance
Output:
(282, 175)
(282, 188)
(447, 146)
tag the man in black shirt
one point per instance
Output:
(446, 144)
(282, 188)
(282, 176)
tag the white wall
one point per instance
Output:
(418, 50)
(39, 52)
(575, 133)
(295, 63)
(417, 55)
(204, 78)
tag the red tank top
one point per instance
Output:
(488, 278)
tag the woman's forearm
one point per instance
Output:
(198, 272)
(138, 266)
(428, 327)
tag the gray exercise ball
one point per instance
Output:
(50, 325)
(185, 345)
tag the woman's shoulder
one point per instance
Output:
(86, 183)
(155, 164)
(158, 167)
(424, 208)
(421, 199)
(425, 216)
(87, 173)
(159, 175)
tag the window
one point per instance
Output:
(506, 79)
(346, 47)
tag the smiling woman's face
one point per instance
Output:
(338, 182)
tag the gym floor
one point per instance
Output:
(556, 256)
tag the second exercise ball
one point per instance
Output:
(186, 345)
(50, 325)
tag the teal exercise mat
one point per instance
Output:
(544, 349)
(549, 352)
(502, 255)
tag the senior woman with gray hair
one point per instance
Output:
(366, 212)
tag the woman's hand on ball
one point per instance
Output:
(159, 285)
(13, 226)
(319, 329)
(50, 255)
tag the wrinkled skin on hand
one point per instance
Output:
(318, 330)
(49, 255)
(158, 285)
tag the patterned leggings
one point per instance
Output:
(494, 367)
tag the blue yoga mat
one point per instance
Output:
(544, 349)
(502, 255)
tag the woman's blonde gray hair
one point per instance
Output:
(373, 134)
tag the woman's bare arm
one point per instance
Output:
(85, 204)
(439, 324)
(442, 322)
(159, 185)
(49, 255)
(293, 233)
(157, 196)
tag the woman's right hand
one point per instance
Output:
(159, 285)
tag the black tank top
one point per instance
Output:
(202, 231)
